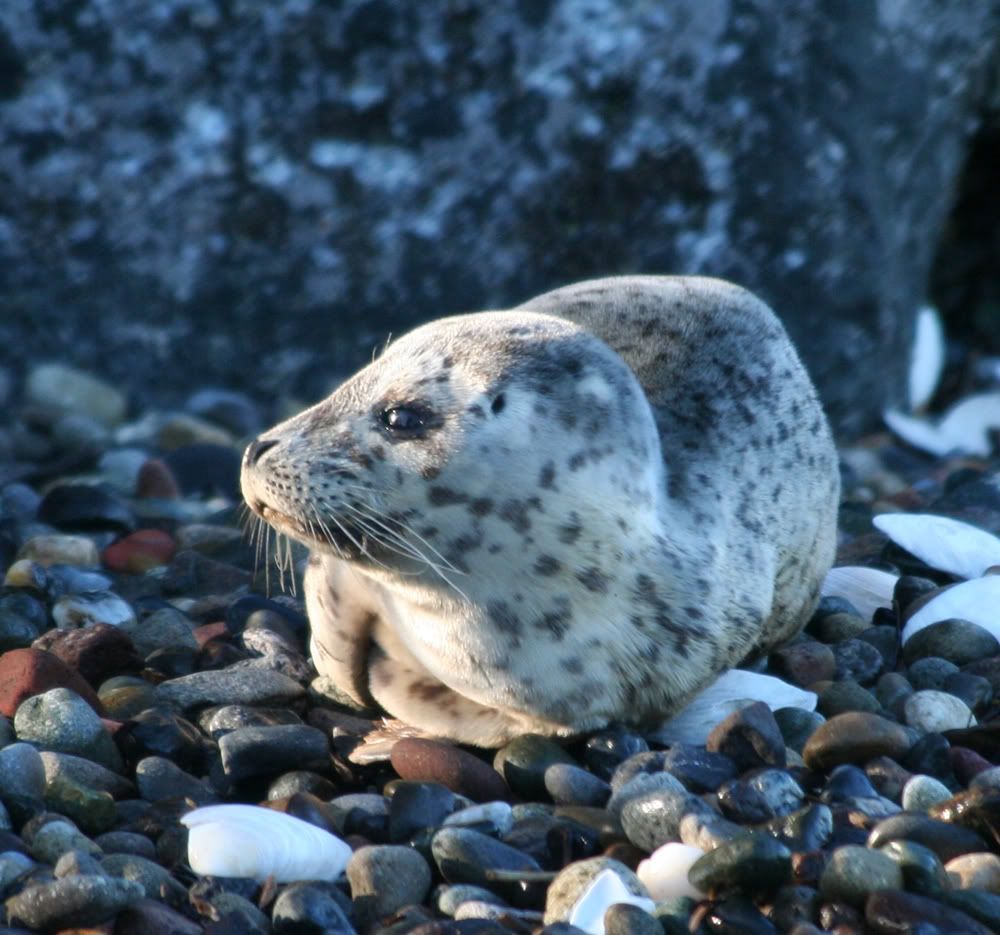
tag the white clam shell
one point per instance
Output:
(927, 360)
(867, 589)
(730, 692)
(665, 872)
(977, 601)
(945, 544)
(256, 842)
(964, 429)
(606, 889)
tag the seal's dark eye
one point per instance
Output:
(404, 421)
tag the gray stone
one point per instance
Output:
(158, 778)
(86, 773)
(22, 772)
(163, 629)
(229, 686)
(853, 872)
(73, 901)
(385, 878)
(466, 159)
(61, 720)
(934, 712)
(155, 880)
(654, 818)
(572, 880)
(921, 792)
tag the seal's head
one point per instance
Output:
(506, 432)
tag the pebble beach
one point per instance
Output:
(154, 670)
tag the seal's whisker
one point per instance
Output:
(404, 530)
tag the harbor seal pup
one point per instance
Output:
(546, 519)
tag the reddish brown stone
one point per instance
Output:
(462, 772)
(804, 663)
(27, 672)
(140, 551)
(96, 652)
(211, 631)
(157, 480)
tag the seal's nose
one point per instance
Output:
(256, 449)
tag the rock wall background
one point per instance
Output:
(253, 193)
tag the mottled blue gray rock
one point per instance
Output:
(229, 686)
(61, 720)
(259, 181)
(72, 901)
(385, 878)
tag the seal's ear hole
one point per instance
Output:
(496, 407)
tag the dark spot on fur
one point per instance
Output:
(476, 410)
(546, 566)
(546, 475)
(429, 472)
(504, 618)
(515, 512)
(481, 506)
(445, 496)
(570, 532)
(593, 579)
(572, 664)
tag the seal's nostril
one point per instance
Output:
(257, 448)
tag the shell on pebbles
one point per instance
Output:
(251, 841)
(975, 601)
(730, 692)
(665, 872)
(942, 543)
(605, 890)
(867, 589)
(965, 427)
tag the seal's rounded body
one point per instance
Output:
(575, 512)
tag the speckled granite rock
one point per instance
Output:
(366, 164)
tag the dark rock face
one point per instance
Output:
(262, 191)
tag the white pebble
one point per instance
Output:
(933, 712)
(665, 872)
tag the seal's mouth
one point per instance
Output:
(344, 540)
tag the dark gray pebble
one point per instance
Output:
(897, 911)
(958, 641)
(523, 763)
(853, 872)
(73, 901)
(984, 907)
(974, 690)
(759, 796)
(654, 818)
(892, 690)
(159, 778)
(645, 762)
(85, 508)
(313, 907)
(755, 863)
(737, 917)
(606, 749)
(848, 695)
(797, 725)
(792, 905)
(301, 780)
(385, 878)
(885, 640)
(808, 829)
(147, 917)
(847, 782)
(22, 620)
(923, 872)
(943, 839)
(930, 672)
(463, 856)
(264, 751)
(572, 785)
(126, 842)
(931, 754)
(158, 732)
(699, 769)
(625, 919)
(858, 660)
(418, 805)
(750, 737)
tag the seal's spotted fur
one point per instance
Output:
(596, 502)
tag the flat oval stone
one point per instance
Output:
(759, 796)
(654, 818)
(463, 856)
(418, 805)
(72, 902)
(922, 792)
(804, 663)
(523, 763)
(853, 872)
(385, 878)
(572, 785)
(265, 751)
(754, 864)
(896, 911)
(937, 711)
(958, 641)
(461, 772)
(229, 686)
(945, 840)
(923, 872)
(699, 769)
(854, 738)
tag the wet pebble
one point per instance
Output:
(957, 641)
(854, 738)
(312, 907)
(759, 796)
(61, 720)
(750, 737)
(573, 881)
(922, 871)
(753, 863)
(797, 726)
(462, 856)
(417, 805)
(697, 768)
(263, 751)
(930, 673)
(846, 696)
(897, 911)
(606, 749)
(385, 878)
(73, 901)
(523, 762)
(653, 818)
(853, 872)
(229, 686)
(946, 840)
(572, 785)
(857, 660)
(922, 792)
(158, 779)
(452, 767)
(804, 663)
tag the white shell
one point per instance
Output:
(730, 692)
(606, 889)
(665, 872)
(976, 601)
(965, 427)
(945, 544)
(250, 841)
(927, 360)
(867, 589)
